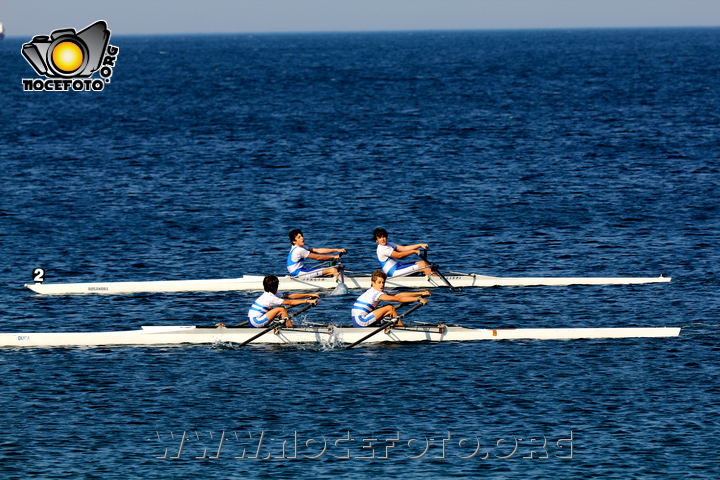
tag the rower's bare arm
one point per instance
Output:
(403, 254)
(316, 256)
(300, 301)
(417, 246)
(406, 297)
(409, 297)
(328, 250)
(295, 296)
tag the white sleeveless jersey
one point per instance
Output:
(296, 258)
(264, 303)
(366, 303)
(383, 255)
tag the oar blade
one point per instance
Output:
(340, 289)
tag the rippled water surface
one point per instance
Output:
(543, 153)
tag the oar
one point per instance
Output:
(434, 268)
(301, 310)
(385, 325)
(341, 288)
(276, 324)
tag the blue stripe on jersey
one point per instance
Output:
(363, 306)
(259, 308)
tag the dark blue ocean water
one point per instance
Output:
(526, 153)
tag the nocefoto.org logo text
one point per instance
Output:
(68, 59)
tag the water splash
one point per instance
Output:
(334, 341)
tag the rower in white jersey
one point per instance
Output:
(299, 252)
(365, 312)
(271, 304)
(389, 253)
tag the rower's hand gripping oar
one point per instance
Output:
(434, 268)
(385, 325)
(277, 324)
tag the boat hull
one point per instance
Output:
(289, 284)
(325, 335)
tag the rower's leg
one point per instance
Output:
(281, 311)
(387, 310)
(425, 267)
(330, 271)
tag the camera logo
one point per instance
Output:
(68, 59)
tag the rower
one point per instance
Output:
(271, 304)
(299, 252)
(389, 253)
(365, 312)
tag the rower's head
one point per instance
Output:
(294, 235)
(271, 283)
(379, 233)
(377, 280)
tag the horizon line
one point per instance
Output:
(409, 30)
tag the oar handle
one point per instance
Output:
(334, 263)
